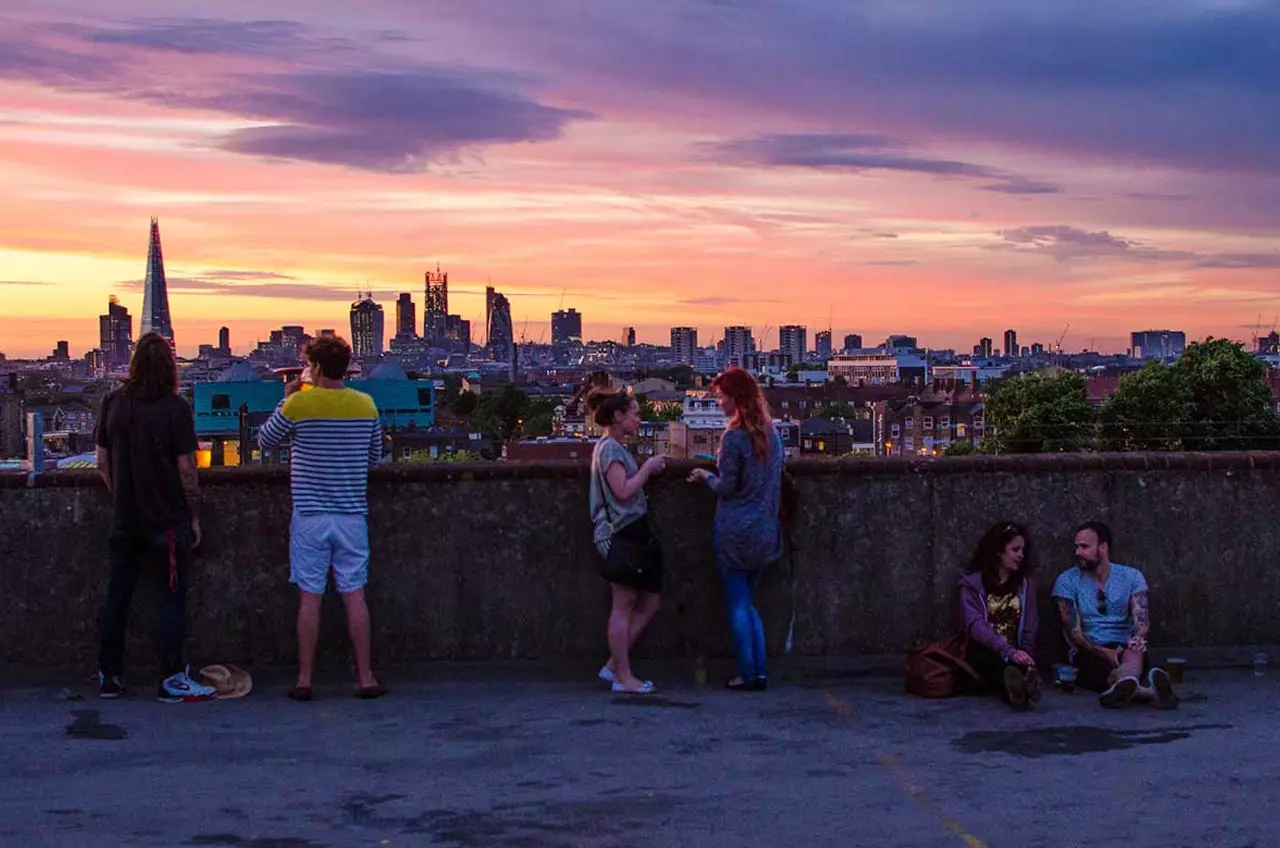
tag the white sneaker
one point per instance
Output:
(180, 687)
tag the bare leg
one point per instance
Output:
(308, 635)
(624, 603)
(358, 630)
(646, 608)
(1131, 663)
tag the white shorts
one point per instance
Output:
(318, 543)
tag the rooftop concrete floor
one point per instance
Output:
(542, 757)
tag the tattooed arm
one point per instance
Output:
(1073, 627)
(1140, 611)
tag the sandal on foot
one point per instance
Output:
(739, 684)
(606, 674)
(646, 688)
(300, 693)
(368, 693)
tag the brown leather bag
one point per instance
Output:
(937, 669)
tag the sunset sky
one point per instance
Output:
(946, 169)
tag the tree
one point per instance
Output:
(835, 409)
(539, 418)
(683, 376)
(1147, 411)
(1039, 413)
(499, 413)
(465, 403)
(449, 456)
(960, 449)
(1212, 398)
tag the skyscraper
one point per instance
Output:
(738, 343)
(566, 326)
(985, 348)
(500, 336)
(435, 308)
(155, 290)
(458, 331)
(1158, 344)
(853, 341)
(822, 345)
(793, 342)
(224, 339)
(366, 326)
(406, 320)
(115, 334)
(629, 336)
(684, 344)
(1011, 343)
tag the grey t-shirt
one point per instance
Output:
(1115, 626)
(607, 452)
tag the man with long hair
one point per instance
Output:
(337, 438)
(146, 444)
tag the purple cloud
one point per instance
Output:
(385, 114)
(856, 153)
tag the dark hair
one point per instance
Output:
(751, 413)
(986, 559)
(332, 354)
(1102, 531)
(153, 371)
(603, 403)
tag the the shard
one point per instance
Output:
(155, 291)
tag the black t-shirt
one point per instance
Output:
(144, 439)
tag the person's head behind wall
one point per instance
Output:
(614, 408)
(153, 371)
(331, 356)
(1093, 545)
(1004, 548)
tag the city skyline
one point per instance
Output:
(696, 164)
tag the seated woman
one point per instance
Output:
(998, 614)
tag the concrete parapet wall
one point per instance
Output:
(494, 561)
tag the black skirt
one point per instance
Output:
(635, 558)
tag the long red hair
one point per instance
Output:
(751, 412)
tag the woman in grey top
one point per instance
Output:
(748, 528)
(619, 510)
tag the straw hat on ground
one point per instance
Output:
(230, 681)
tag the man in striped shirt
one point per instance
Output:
(336, 440)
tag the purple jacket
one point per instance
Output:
(973, 617)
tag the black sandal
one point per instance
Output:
(300, 693)
(368, 693)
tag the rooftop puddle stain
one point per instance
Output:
(1071, 740)
(87, 724)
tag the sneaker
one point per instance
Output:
(1120, 693)
(1166, 698)
(110, 688)
(179, 687)
(1015, 686)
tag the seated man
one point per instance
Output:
(1104, 612)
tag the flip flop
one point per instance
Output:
(300, 693)
(646, 688)
(606, 674)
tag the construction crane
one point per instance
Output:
(1058, 343)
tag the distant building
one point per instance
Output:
(926, 427)
(366, 327)
(1037, 349)
(880, 368)
(825, 437)
(115, 335)
(1011, 343)
(1158, 344)
(435, 308)
(853, 341)
(62, 352)
(155, 290)
(501, 336)
(1269, 345)
(822, 345)
(629, 336)
(984, 349)
(965, 375)
(406, 318)
(224, 340)
(792, 342)
(566, 326)
(900, 342)
(684, 344)
(738, 345)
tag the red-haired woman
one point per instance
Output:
(747, 531)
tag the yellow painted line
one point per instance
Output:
(914, 789)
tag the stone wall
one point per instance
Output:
(494, 561)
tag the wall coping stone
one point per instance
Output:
(1064, 463)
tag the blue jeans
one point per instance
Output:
(744, 621)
